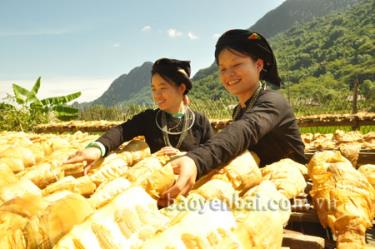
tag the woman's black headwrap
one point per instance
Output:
(173, 70)
(254, 45)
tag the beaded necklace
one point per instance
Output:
(236, 112)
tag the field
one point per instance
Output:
(46, 203)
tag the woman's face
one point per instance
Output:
(167, 95)
(239, 73)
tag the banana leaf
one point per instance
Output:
(63, 109)
(65, 113)
(31, 96)
(20, 93)
(59, 100)
(24, 96)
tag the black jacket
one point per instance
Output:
(269, 128)
(143, 124)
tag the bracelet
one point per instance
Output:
(98, 145)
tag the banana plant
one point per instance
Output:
(26, 97)
(57, 104)
(59, 107)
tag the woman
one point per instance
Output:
(263, 120)
(171, 127)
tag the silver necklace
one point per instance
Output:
(188, 114)
(251, 104)
(177, 125)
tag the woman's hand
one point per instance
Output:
(89, 155)
(169, 151)
(186, 170)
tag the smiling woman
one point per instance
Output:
(263, 121)
(171, 127)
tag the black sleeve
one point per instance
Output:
(240, 134)
(207, 130)
(114, 137)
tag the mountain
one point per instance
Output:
(286, 15)
(321, 58)
(297, 11)
(293, 29)
(327, 55)
(128, 87)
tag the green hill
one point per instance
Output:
(322, 59)
(131, 87)
(285, 16)
(292, 12)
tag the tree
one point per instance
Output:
(24, 110)
(57, 105)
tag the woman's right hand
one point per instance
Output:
(89, 155)
(187, 172)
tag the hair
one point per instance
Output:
(175, 71)
(253, 45)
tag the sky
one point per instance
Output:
(83, 45)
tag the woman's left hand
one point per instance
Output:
(169, 151)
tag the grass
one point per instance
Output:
(219, 109)
(332, 129)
